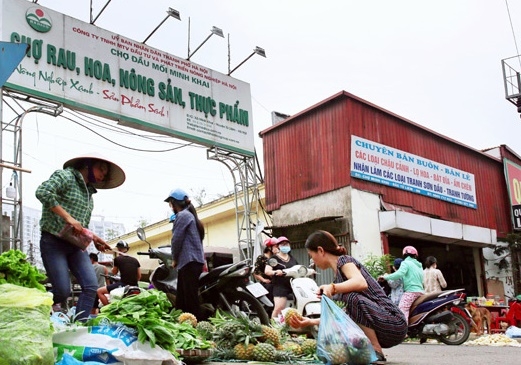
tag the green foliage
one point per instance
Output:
(151, 314)
(378, 265)
(15, 269)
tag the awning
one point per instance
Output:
(417, 226)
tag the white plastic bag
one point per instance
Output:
(109, 345)
(513, 332)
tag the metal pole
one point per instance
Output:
(1, 171)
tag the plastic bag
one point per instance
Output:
(340, 340)
(25, 328)
(81, 240)
(513, 332)
(110, 344)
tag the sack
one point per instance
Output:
(340, 340)
(81, 240)
(110, 344)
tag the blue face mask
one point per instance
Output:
(285, 249)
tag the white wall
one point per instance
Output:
(366, 227)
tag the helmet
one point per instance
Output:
(122, 244)
(282, 239)
(397, 262)
(270, 242)
(409, 250)
(177, 194)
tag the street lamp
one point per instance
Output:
(171, 13)
(214, 30)
(256, 50)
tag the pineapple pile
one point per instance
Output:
(358, 351)
(240, 338)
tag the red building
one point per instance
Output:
(380, 182)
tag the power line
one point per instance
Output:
(513, 33)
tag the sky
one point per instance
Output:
(436, 63)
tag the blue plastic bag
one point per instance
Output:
(340, 340)
(69, 360)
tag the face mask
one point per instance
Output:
(285, 249)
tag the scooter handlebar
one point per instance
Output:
(144, 253)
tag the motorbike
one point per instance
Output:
(227, 287)
(304, 292)
(441, 316)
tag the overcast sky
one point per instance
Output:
(436, 63)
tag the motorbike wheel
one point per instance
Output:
(246, 304)
(460, 331)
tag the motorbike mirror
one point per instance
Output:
(142, 236)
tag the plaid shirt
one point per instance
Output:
(67, 189)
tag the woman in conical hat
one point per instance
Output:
(66, 199)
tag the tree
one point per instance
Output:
(111, 233)
(378, 265)
(512, 251)
(198, 197)
(141, 223)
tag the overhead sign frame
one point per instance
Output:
(91, 69)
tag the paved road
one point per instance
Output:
(439, 354)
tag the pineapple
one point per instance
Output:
(264, 352)
(309, 346)
(289, 314)
(243, 351)
(293, 347)
(206, 329)
(337, 353)
(270, 335)
(362, 356)
(187, 317)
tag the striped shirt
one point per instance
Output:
(67, 189)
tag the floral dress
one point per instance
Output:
(372, 308)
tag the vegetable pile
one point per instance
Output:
(15, 269)
(496, 339)
(151, 314)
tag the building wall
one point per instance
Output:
(308, 154)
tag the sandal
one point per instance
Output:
(380, 358)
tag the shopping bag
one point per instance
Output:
(340, 340)
(81, 240)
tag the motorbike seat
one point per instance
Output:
(422, 299)
(211, 275)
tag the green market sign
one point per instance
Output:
(90, 69)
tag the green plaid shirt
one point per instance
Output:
(67, 189)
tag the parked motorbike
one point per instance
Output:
(304, 291)
(227, 288)
(441, 316)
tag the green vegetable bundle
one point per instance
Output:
(25, 326)
(15, 269)
(151, 314)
